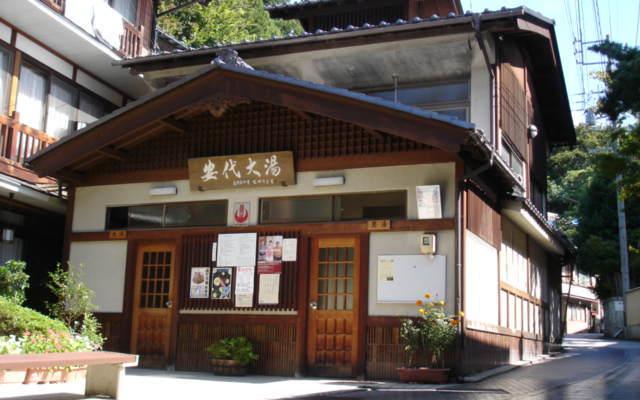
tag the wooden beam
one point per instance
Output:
(114, 153)
(71, 176)
(175, 125)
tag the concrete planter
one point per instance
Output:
(424, 375)
(228, 367)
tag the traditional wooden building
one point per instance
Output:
(307, 196)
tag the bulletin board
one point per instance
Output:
(406, 278)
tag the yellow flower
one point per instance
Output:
(421, 311)
(461, 313)
(419, 302)
(442, 302)
(427, 296)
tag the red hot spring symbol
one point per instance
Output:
(241, 214)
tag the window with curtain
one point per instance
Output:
(5, 65)
(32, 93)
(127, 8)
(62, 111)
(89, 110)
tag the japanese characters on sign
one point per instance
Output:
(246, 170)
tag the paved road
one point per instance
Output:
(593, 369)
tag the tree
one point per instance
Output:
(621, 99)
(584, 195)
(223, 22)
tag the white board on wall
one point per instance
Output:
(406, 278)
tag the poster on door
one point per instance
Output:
(270, 254)
(199, 288)
(221, 283)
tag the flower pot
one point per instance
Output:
(228, 367)
(424, 375)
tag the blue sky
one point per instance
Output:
(618, 19)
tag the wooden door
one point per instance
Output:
(333, 308)
(153, 299)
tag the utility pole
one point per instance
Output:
(622, 235)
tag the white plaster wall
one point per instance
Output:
(91, 202)
(44, 56)
(5, 33)
(104, 271)
(407, 243)
(99, 88)
(481, 295)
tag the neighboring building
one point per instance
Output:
(56, 75)
(583, 308)
(632, 323)
(284, 151)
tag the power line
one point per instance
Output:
(637, 23)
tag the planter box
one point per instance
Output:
(228, 367)
(424, 375)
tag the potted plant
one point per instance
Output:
(232, 356)
(430, 334)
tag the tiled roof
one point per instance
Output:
(296, 4)
(335, 32)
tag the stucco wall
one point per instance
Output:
(407, 243)
(104, 271)
(633, 307)
(481, 280)
(91, 202)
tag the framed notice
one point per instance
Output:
(429, 202)
(237, 249)
(244, 280)
(269, 289)
(199, 283)
(289, 249)
(270, 254)
(221, 279)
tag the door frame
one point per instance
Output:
(133, 247)
(358, 370)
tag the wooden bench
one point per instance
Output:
(104, 369)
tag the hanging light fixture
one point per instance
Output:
(8, 235)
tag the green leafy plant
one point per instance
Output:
(238, 349)
(73, 304)
(434, 331)
(14, 281)
(15, 320)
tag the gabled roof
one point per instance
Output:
(225, 80)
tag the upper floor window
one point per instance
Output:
(450, 99)
(54, 105)
(127, 8)
(5, 78)
(512, 159)
(149, 216)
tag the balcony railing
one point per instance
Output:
(57, 5)
(131, 41)
(18, 142)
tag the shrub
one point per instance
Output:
(14, 281)
(238, 349)
(73, 304)
(15, 320)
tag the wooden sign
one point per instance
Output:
(117, 235)
(245, 170)
(379, 225)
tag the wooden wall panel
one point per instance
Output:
(482, 219)
(255, 128)
(273, 337)
(112, 329)
(513, 98)
(197, 253)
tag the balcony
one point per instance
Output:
(93, 17)
(18, 142)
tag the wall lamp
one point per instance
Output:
(328, 181)
(164, 190)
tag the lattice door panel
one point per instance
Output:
(153, 301)
(333, 309)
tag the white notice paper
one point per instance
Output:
(386, 269)
(244, 300)
(289, 249)
(269, 289)
(236, 249)
(244, 280)
(429, 202)
(214, 251)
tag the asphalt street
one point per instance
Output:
(593, 368)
